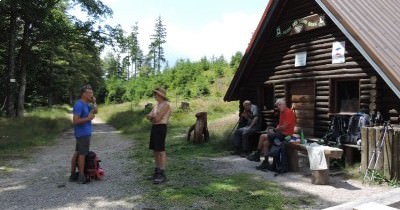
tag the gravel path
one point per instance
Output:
(339, 191)
(42, 181)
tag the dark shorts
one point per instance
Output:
(157, 137)
(276, 135)
(82, 145)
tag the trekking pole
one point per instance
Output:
(377, 152)
(234, 128)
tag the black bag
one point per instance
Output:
(356, 122)
(278, 152)
(336, 130)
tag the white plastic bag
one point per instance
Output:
(316, 156)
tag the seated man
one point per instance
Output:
(287, 121)
(248, 125)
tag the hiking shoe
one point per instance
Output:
(152, 177)
(254, 157)
(74, 177)
(82, 179)
(160, 178)
(264, 166)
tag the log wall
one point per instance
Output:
(275, 66)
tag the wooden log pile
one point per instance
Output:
(389, 162)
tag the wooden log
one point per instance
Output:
(364, 148)
(371, 146)
(322, 104)
(323, 93)
(322, 98)
(322, 110)
(322, 88)
(315, 71)
(374, 79)
(306, 131)
(372, 106)
(299, 78)
(293, 159)
(320, 177)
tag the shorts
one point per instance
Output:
(276, 135)
(157, 137)
(82, 145)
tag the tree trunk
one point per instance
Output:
(11, 61)
(22, 64)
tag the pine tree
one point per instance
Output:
(156, 50)
(136, 54)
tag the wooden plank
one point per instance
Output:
(303, 98)
(371, 146)
(364, 149)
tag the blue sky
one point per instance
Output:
(194, 28)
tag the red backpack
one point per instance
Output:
(92, 167)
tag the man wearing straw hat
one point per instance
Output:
(159, 117)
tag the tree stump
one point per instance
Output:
(185, 106)
(200, 129)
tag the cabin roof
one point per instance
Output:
(372, 26)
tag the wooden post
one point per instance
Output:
(349, 155)
(321, 177)
(371, 145)
(387, 155)
(293, 159)
(396, 149)
(379, 164)
(364, 148)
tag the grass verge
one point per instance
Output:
(39, 127)
(192, 184)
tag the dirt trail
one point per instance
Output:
(42, 181)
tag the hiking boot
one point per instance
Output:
(254, 157)
(82, 179)
(152, 177)
(74, 177)
(264, 165)
(160, 178)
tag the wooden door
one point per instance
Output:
(302, 98)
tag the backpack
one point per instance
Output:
(336, 131)
(356, 122)
(92, 167)
(278, 152)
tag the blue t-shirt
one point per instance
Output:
(82, 110)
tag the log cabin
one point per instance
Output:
(326, 57)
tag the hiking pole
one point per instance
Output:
(377, 152)
(237, 123)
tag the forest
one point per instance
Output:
(47, 54)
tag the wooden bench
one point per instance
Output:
(319, 177)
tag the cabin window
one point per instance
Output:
(347, 96)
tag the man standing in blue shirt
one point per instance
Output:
(83, 114)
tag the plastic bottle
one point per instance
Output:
(302, 140)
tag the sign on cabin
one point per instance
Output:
(300, 59)
(338, 52)
(301, 25)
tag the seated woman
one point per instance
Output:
(287, 122)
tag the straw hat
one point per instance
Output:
(161, 92)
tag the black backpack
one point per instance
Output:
(278, 152)
(336, 131)
(356, 122)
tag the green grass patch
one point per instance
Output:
(39, 127)
(192, 184)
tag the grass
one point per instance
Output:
(192, 184)
(38, 128)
